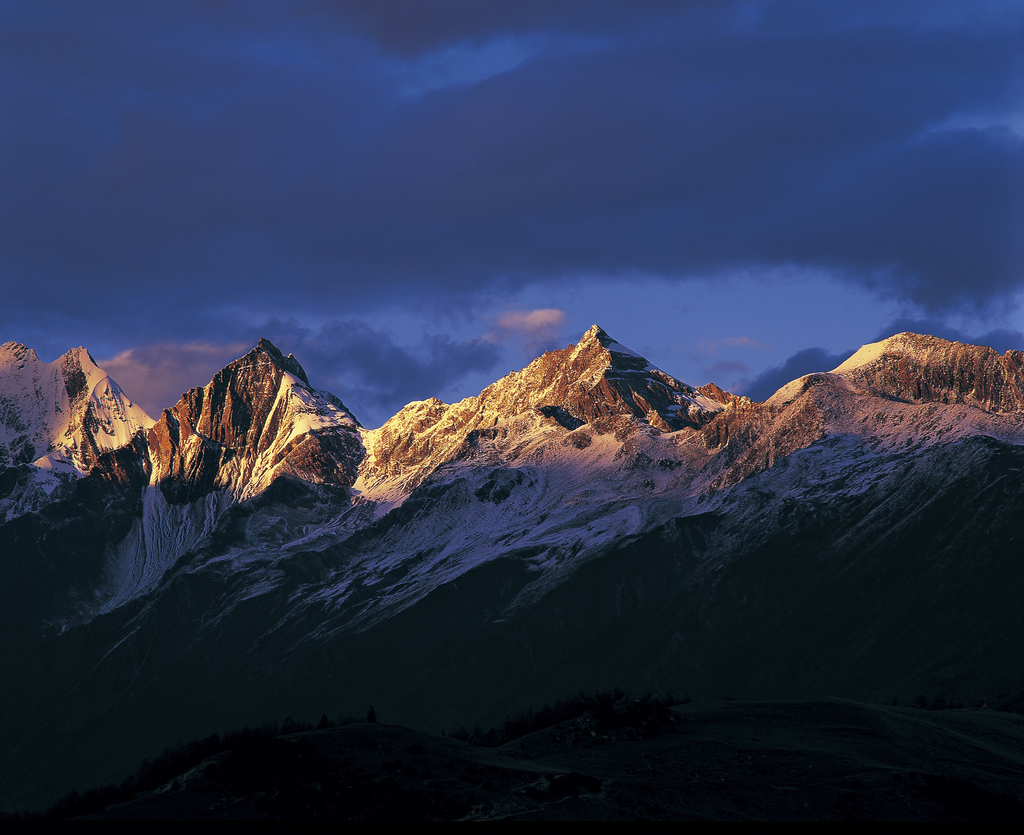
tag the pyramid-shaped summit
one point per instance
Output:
(600, 377)
(596, 380)
(256, 420)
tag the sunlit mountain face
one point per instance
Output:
(587, 522)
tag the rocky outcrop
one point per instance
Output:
(926, 369)
(255, 421)
(750, 438)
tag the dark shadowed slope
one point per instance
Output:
(817, 759)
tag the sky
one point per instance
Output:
(416, 197)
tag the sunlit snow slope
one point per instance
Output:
(61, 415)
(56, 420)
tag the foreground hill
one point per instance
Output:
(589, 521)
(817, 759)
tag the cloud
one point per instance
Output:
(469, 64)
(530, 321)
(711, 346)
(807, 361)
(723, 369)
(155, 376)
(680, 144)
(416, 26)
(536, 331)
(173, 171)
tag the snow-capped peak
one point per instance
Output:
(899, 344)
(61, 414)
(596, 380)
(921, 368)
(257, 419)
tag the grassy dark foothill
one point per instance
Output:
(809, 759)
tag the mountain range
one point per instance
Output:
(587, 522)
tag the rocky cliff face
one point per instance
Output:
(257, 419)
(926, 369)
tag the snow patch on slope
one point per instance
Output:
(866, 355)
(305, 412)
(61, 414)
(157, 541)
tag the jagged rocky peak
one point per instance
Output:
(61, 415)
(597, 381)
(599, 377)
(927, 369)
(287, 363)
(257, 419)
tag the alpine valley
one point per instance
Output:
(585, 523)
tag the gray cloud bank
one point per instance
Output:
(174, 170)
(196, 141)
(807, 361)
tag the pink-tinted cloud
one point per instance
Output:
(711, 346)
(724, 371)
(156, 375)
(536, 330)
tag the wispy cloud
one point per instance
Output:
(535, 331)
(724, 369)
(711, 346)
(155, 376)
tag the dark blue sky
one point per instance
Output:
(417, 197)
